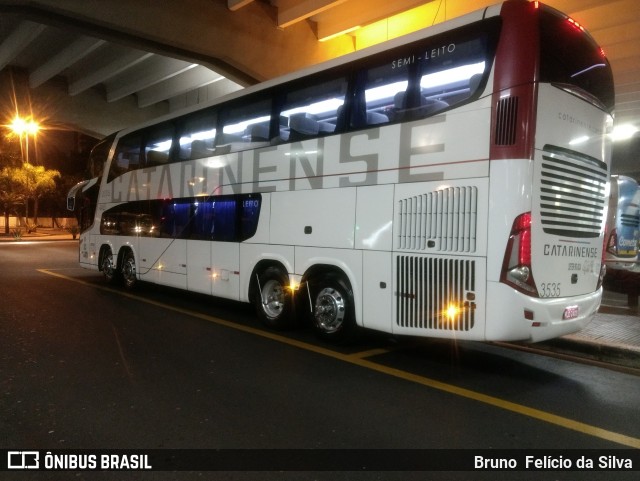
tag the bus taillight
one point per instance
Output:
(612, 243)
(516, 268)
(605, 249)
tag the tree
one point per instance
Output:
(35, 181)
(10, 153)
(11, 194)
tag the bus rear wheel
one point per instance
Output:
(273, 299)
(129, 272)
(332, 314)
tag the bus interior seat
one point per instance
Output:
(301, 126)
(474, 83)
(258, 135)
(226, 143)
(399, 105)
(200, 150)
(155, 157)
(427, 106)
(258, 132)
(375, 118)
(326, 127)
(431, 106)
(283, 134)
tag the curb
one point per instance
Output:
(621, 355)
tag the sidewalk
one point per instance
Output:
(42, 233)
(612, 336)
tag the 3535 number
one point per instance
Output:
(550, 289)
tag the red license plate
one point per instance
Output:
(570, 312)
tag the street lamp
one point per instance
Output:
(24, 128)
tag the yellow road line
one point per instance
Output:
(369, 353)
(358, 359)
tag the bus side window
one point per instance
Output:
(197, 134)
(311, 110)
(174, 219)
(382, 86)
(98, 157)
(127, 155)
(158, 145)
(245, 126)
(450, 76)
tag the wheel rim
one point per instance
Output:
(108, 268)
(129, 271)
(330, 310)
(273, 298)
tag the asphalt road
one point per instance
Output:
(84, 366)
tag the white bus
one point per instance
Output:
(449, 183)
(623, 225)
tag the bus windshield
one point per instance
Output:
(570, 59)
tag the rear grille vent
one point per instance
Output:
(428, 286)
(630, 220)
(572, 193)
(444, 220)
(507, 121)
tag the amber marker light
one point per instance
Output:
(452, 311)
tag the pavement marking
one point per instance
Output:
(358, 359)
(369, 353)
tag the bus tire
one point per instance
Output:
(332, 314)
(273, 300)
(129, 271)
(108, 266)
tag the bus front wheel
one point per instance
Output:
(274, 299)
(108, 266)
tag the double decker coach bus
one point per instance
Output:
(623, 224)
(449, 183)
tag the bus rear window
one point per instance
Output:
(570, 59)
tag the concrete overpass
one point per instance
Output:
(99, 66)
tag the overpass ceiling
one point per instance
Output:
(112, 64)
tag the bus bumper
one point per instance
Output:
(513, 316)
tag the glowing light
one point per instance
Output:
(452, 75)
(579, 140)
(22, 126)
(240, 127)
(215, 162)
(452, 311)
(385, 91)
(575, 24)
(204, 135)
(623, 132)
(322, 107)
(162, 146)
(342, 32)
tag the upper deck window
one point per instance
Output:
(428, 76)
